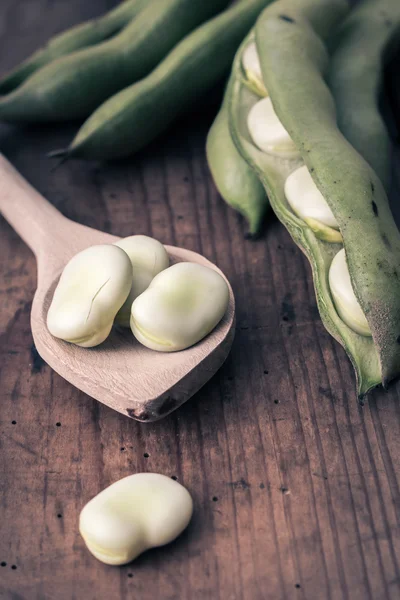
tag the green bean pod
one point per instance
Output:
(367, 35)
(235, 180)
(352, 190)
(136, 115)
(72, 86)
(81, 36)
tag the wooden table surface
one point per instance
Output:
(296, 487)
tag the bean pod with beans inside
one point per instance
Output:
(136, 115)
(72, 86)
(306, 164)
(235, 180)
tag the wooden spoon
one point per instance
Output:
(128, 377)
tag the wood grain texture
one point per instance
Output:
(296, 487)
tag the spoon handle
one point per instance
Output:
(34, 219)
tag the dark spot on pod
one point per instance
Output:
(375, 208)
(297, 586)
(215, 499)
(312, 170)
(262, 486)
(372, 187)
(287, 19)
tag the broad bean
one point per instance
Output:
(92, 288)
(182, 305)
(148, 258)
(141, 511)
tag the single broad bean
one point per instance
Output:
(252, 70)
(267, 131)
(134, 514)
(344, 297)
(308, 203)
(148, 258)
(92, 288)
(180, 307)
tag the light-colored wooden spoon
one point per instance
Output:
(128, 377)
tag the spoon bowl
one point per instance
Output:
(121, 373)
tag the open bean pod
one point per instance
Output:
(352, 190)
(370, 35)
(235, 180)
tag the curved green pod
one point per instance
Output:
(354, 193)
(235, 180)
(72, 86)
(138, 114)
(81, 36)
(367, 36)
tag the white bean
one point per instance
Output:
(306, 200)
(252, 68)
(134, 514)
(344, 297)
(148, 258)
(268, 133)
(180, 307)
(92, 288)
